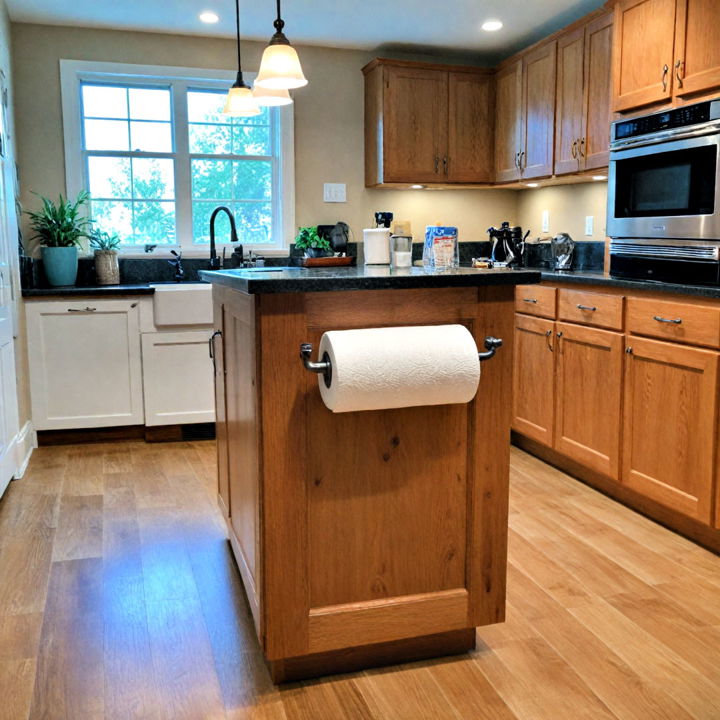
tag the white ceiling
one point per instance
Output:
(412, 25)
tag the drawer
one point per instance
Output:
(591, 308)
(535, 300)
(679, 322)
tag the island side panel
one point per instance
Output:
(490, 461)
(218, 353)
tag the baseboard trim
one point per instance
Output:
(25, 443)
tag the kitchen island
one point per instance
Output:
(362, 538)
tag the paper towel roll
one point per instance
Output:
(376, 246)
(396, 367)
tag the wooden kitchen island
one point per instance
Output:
(362, 538)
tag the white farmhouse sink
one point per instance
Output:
(183, 304)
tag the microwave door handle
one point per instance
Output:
(711, 128)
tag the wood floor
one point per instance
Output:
(119, 599)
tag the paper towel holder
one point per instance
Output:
(324, 367)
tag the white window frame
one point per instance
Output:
(74, 72)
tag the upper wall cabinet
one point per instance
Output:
(525, 129)
(427, 123)
(582, 111)
(664, 50)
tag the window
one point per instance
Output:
(157, 155)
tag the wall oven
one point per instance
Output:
(664, 195)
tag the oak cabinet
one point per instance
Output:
(582, 111)
(508, 131)
(663, 50)
(669, 429)
(534, 378)
(588, 396)
(427, 123)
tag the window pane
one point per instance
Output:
(253, 179)
(210, 139)
(106, 135)
(206, 106)
(114, 218)
(151, 137)
(154, 223)
(212, 179)
(104, 101)
(251, 140)
(149, 104)
(201, 223)
(262, 119)
(254, 222)
(109, 177)
(153, 178)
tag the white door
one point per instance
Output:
(85, 367)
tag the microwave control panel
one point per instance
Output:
(667, 120)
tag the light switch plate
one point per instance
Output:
(545, 221)
(589, 225)
(334, 192)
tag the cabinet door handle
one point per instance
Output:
(574, 150)
(87, 309)
(590, 308)
(211, 344)
(628, 350)
(548, 335)
(674, 321)
(445, 164)
(522, 160)
(665, 77)
(517, 160)
(530, 300)
(582, 147)
(678, 77)
(437, 164)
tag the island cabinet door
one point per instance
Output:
(217, 352)
(589, 387)
(670, 430)
(381, 526)
(534, 378)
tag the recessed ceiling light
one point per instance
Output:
(208, 17)
(599, 177)
(532, 184)
(491, 25)
(417, 187)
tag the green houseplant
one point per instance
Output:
(311, 243)
(60, 227)
(105, 246)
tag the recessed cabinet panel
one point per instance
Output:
(508, 128)
(569, 104)
(697, 50)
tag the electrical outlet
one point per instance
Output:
(334, 192)
(589, 223)
(545, 221)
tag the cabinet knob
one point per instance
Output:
(628, 350)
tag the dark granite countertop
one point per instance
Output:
(289, 280)
(595, 277)
(94, 290)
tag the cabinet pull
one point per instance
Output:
(211, 344)
(678, 77)
(522, 160)
(675, 321)
(665, 77)
(548, 335)
(574, 150)
(628, 350)
(445, 164)
(530, 300)
(87, 309)
(517, 160)
(437, 164)
(582, 147)
(590, 308)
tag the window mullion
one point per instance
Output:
(183, 204)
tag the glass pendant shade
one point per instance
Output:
(240, 102)
(280, 68)
(271, 98)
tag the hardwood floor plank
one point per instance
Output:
(24, 573)
(79, 530)
(84, 470)
(69, 681)
(326, 699)
(17, 678)
(20, 636)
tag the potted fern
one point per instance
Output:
(107, 267)
(311, 243)
(60, 227)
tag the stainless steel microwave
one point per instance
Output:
(664, 175)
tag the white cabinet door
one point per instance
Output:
(85, 367)
(178, 378)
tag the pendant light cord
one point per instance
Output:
(237, 33)
(279, 23)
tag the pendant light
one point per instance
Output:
(280, 66)
(271, 98)
(240, 101)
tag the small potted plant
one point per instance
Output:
(312, 244)
(60, 228)
(107, 267)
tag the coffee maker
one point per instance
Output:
(508, 244)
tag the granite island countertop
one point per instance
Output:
(290, 280)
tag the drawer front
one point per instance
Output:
(535, 300)
(590, 308)
(679, 322)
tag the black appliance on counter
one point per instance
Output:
(664, 196)
(508, 244)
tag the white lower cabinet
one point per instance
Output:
(177, 378)
(85, 364)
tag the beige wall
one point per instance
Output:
(568, 206)
(328, 125)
